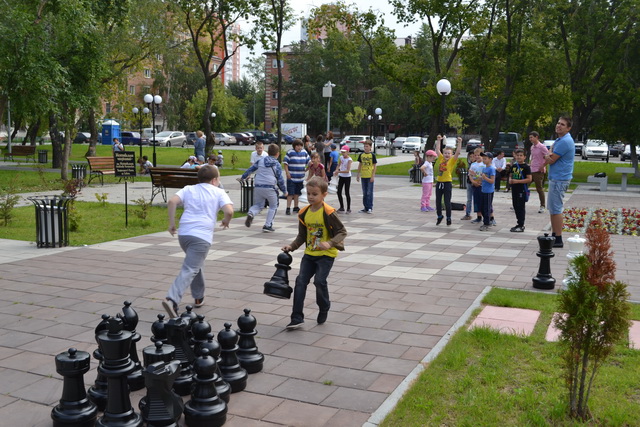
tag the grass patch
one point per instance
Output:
(483, 378)
(97, 223)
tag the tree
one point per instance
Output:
(229, 110)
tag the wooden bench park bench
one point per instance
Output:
(163, 178)
(26, 151)
(99, 167)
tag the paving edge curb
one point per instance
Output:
(390, 403)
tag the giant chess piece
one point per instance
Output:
(205, 409)
(248, 355)
(191, 317)
(162, 406)
(222, 387)
(158, 329)
(75, 409)
(177, 336)
(230, 367)
(278, 286)
(158, 352)
(332, 185)
(302, 198)
(115, 344)
(98, 391)
(544, 280)
(199, 330)
(130, 321)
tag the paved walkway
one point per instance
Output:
(399, 291)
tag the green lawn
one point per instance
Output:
(483, 378)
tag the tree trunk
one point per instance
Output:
(56, 142)
(93, 128)
(32, 132)
(211, 142)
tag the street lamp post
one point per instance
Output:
(327, 92)
(213, 134)
(444, 88)
(138, 114)
(373, 125)
(153, 102)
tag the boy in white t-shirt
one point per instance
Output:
(427, 181)
(201, 205)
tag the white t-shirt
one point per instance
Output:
(344, 166)
(254, 156)
(428, 177)
(201, 205)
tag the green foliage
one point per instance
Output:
(102, 198)
(74, 215)
(145, 208)
(8, 200)
(229, 110)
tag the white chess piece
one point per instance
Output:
(332, 186)
(302, 198)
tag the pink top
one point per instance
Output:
(316, 170)
(538, 151)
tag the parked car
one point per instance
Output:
(381, 142)
(413, 143)
(225, 139)
(614, 150)
(82, 137)
(473, 143)
(549, 143)
(508, 142)
(262, 136)
(169, 138)
(397, 143)
(244, 138)
(626, 154)
(355, 143)
(595, 148)
(287, 139)
(273, 138)
(132, 138)
(579, 147)
(190, 139)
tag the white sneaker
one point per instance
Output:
(541, 210)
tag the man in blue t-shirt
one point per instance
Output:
(560, 161)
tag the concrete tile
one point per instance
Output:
(360, 400)
(252, 405)
(304, 391)
(300, 414)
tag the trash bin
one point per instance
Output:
(462, 176)
(42, 156)
(78, 171)
(52, 220)
(392, 151)
(246, 194)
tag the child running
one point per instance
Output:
(321, 229)
(448, 160)
(344, 178)
(427, 181)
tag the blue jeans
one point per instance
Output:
(367, 193)
(319, 268)
(469, 199)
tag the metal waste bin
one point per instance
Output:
(78, 171)
(392, 151)
(246, 194)
(43, 156)
(462, 176)
(52, 220)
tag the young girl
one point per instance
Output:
(316, 168)
(344, 178)
(427, 181)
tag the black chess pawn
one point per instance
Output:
(75, 408)
(205, 409)
(222, 387)
(98, 391)
(130, 322)
(278, 286)
(162, 406)
(248, 355)
(230, 367)
(199, 330)
(177, 337)
(158, 329)
(190, 315)
(115, 344)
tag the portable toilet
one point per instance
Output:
(110, 130)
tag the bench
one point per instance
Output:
(26, 151)
(625, 171)
(99, 167)
(602, 181)
(163, 178)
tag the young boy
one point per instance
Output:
(295, 166)
(333, 162)
(258, 154)
(427, 181)
(475, 175)
(268, 176)
(201, 205)
(448, 160)
(488, 187)
(367, 171)
(321, 229)
(519, 179)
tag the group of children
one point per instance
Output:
(482, 179)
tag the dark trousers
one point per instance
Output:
(327, 159)
(487, 208)
(519, 206)
(477, 199)
(319, 268)
(443, 189)
(344, 182)
(497, 182)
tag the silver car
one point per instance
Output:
(595, 148)
(169, 138)
(225, 139)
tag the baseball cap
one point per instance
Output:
(487, 154)
(333, 146)
(344, 149)
(431, 153)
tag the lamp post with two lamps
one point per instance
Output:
(444, 88)
(374, 119)
(153, 103)
(327, 92)
(138, 114)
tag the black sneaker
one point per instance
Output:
(288, 211)
(268, 229)
(170, 307)
(322, 317)
(296, 209)
(558, 243)
(439, 220)
(448, 221)
(248, 220)
(517, 229)
(341, 210)
(476, 221)
(295, 324)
